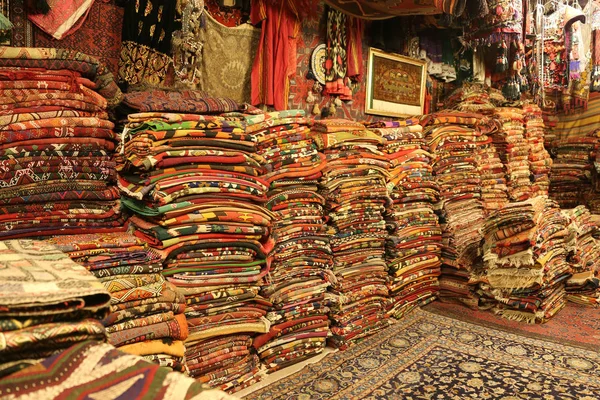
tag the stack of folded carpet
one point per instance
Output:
(584, 257)
(540, 161)
(354, 186)
(514, 151)
(474, 98)
(146, 312)
(456, 140)
(301, 257)
(571, 174)
(57, 174)
(98, 370)
(194, 183)
(494, 190)
(413, 248)
(48, 303)
(525, 261)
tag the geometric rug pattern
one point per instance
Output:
(430, 356)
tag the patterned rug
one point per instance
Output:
(574, 325)
(429, 356)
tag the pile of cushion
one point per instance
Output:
(354, 186)
(413, 248)
(301, 257)
(146, 312)
(48, 303)
(525, 261)
(456, 140)
(57, 174)
(540, 161)
(193, 182)
(584, 257)
(473, 97)
(514, 151)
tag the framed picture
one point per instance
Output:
(395, 85)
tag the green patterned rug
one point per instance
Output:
(429, 356)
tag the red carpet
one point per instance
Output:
(574, 325)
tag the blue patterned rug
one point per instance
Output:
(429, 356)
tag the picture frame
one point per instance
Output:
(395, 85)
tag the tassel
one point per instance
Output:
(502, 58)
(332, 108)
(5, 24)
(310, 98)
(316, 109)
(338, 102)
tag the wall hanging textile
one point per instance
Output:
(223, 70)
(148, 26)
(98, 36)
(275, 61)
(64, 18)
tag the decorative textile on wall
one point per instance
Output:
(148, 26)
(105, 373)
(336, 63)
(230, 17)
(99, 36)
(374, 10)
(64, 18)
(275, 61)
(227, 57)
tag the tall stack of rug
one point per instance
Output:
(571, 174)
(514, 151)
(354, 186)
(456, 140)
(540, 162)
(413, 248)
(193, 181)
(57, 174)
(146, 312)
(494, 188)
(301, 257)
(48, 304)
(525, 261)
(584, 256)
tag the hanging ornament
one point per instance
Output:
(331, 108)
(338, 102)
(310, 98)
(502, 58)
(316, 110)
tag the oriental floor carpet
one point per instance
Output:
(574, 325)
(430, 356)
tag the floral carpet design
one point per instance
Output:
(429, 356)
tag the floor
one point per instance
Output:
(447, 351)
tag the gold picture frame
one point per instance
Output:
(395, 85)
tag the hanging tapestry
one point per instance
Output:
(225, 71)
(99, 36)
(148, 27)
(275, 61)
